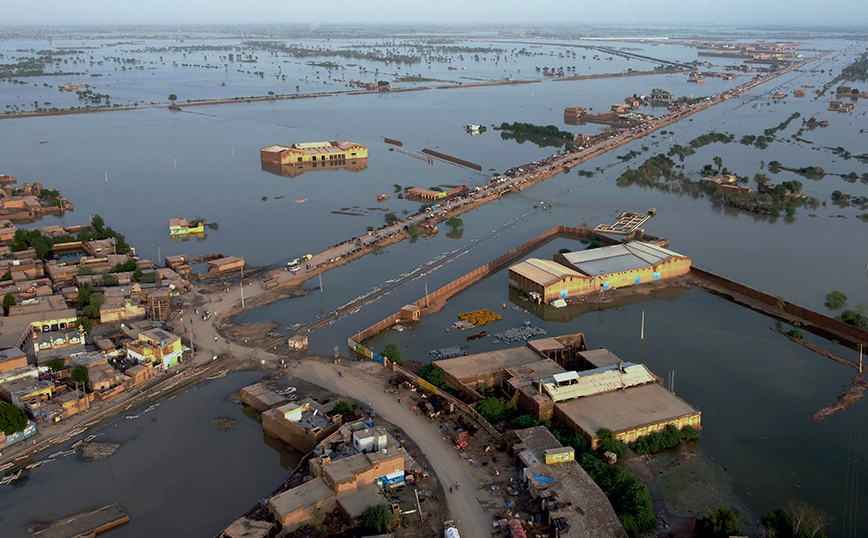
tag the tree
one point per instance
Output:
(392, 353)
(412, 230)
(85, 323)
(835, 300)
(721, 523)
(525, 421)
(606, 442)
(378, 518)
(12, 419)
(761, 179)
(173, 98)
(454, 223)
(492, 409)
(807, 520)
(718, 162)
(391, 218)
(342, 407)
(79, 374)
(433, 375)
(8, 302)
(778, 524)
(56, 364)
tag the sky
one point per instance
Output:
(474, 12)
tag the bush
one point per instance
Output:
(392, 353)
(668, 437)
(433, 375)
(854, 318)
(629, 497)
(795, 333)
(378, 518)
(607, 443)
(493, 409)
(525, 421)
(835, 300)
(721, 523)
(12, 419)
(342, 407)
(56, 364)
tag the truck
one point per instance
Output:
(450, 530)
(269, 283)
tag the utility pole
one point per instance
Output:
(426, 295)
(642, 331)
(159, 258)
(860, 358)
(242, 284)
(320, 282)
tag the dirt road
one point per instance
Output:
(366, 382)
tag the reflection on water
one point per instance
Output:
(180, 238)
(293, 170)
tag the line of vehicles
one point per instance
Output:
(294, 265)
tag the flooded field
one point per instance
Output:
(139, 168)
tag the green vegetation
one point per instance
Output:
(109, 280)
(6, 276)
(412, 230)
(770, 132)
(378, 518)
(629, 497)
(721, 523)
(129, 265)
(858, 70)
(493, 409)
(668, 437)
(550, 131)
(795, 333)
(90, 300)
(85, 323)
(342, 407)
(454, 223)
(418, 78)
(703, 140)
(525, 421)
(56, 364)
(12, 419)
(392, 353)
(99, 231)
(801, 521)
(327, 65)
(24, 239)
(606, 442)
(391, 218)
(85, 271)
(173, 98)
(856, 318)
(8, 302)
(79, 375)
(433, 375)
(835, 300)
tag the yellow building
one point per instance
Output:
(314, 152)
(157, 348)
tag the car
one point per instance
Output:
(292, 262)
(295, 268)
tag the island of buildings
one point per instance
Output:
(291, 161)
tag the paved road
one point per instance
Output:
(366, 382)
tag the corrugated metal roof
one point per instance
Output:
(618, 258)
(561, 387)
(542, 271)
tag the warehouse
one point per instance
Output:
(547, 280)
(617, 266)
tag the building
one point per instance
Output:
(314, 152)
(574, 113)
(302, 424)
(156, 348)
(225, 264)
(546, 280)
(182, 227)
(628, 414)
(840, 106)
(351, 469)
(260, 397)
(12, 359)
(572, 503)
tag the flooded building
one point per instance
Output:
(313, 152)
(574, 274)
(302, 424)
(156, 348)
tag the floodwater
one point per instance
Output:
(176, 474)
(754, 389)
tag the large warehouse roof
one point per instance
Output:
(542, 272)
(618, 258)
(626, 409)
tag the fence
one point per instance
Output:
(831, 325)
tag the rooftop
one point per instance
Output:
(623, 410)
(297, 498)
(600, 357)
(570, 385)
(618, 258)
(538, 439)
(490, 361)
(543, 271)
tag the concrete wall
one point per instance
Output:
(631, 434)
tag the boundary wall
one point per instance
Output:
(775, 304)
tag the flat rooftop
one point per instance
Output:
(85, 523)
(297, 498)
(538, 439)
(627, 409)
(358, 501)
(600, 357)
(490, 361)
